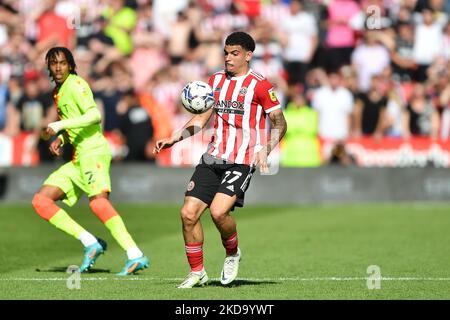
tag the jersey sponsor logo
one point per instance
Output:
(227, 106)
(272, 95)
(190, 185)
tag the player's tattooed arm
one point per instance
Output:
(278, 129)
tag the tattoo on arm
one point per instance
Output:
(189, 131)
(278, 130)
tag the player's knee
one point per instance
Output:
(38, 202)
(188, 216)
(103, 209)
(44, 206)
(218, 214)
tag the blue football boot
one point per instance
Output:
(131, 266)
(91, 254)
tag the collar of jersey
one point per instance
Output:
(65, 81)
(241, 77)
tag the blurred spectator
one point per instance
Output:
(101, 48)
(445, 118)
(299, 39)
(165, 12)
(135, 125)
(4, 13)
(178, 45)
(404, 13)
(300, 146)
(443, 92)
(166, 89)
(15, 89)
(341, 35)
(420, 117)
(438, 8)
(18, 52)
(369, 58)
(148, 55)
(52, 28)
(402, 57)
(8, 116)
(394, 111)
(446, 42)
(86, 28)
(226, 22)
(350, 79)
(438, 79)
(107, 97)
(428, 43)
(36, 112)
(370, 110)
(334, 104)
(267, 58)
(274, 11)
(121, 22)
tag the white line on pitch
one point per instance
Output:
(293, 279)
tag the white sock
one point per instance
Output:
(134, 253)
(87, 239)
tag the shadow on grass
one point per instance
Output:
(238, 283)
(64, 270)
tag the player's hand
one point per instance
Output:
(163, 144)
(261, 160)
(55, 147)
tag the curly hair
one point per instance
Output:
(53, 52)
(241, 39)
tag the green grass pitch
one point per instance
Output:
(305, 252)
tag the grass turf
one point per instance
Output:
(306, 252)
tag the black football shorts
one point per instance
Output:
(214, 175)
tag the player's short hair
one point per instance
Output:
(53, 52)
(242, 39)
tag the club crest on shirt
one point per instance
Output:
(190, 185)
(243, 91)
(272, 95)
(83, 90)
(217, 89)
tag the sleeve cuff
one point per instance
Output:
(273, 108)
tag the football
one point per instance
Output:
(197, 97)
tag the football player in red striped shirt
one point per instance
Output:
(243, 100)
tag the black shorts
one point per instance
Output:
(214, 175)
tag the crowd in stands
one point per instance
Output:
(342, 69)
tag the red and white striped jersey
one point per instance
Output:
(241, 105)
